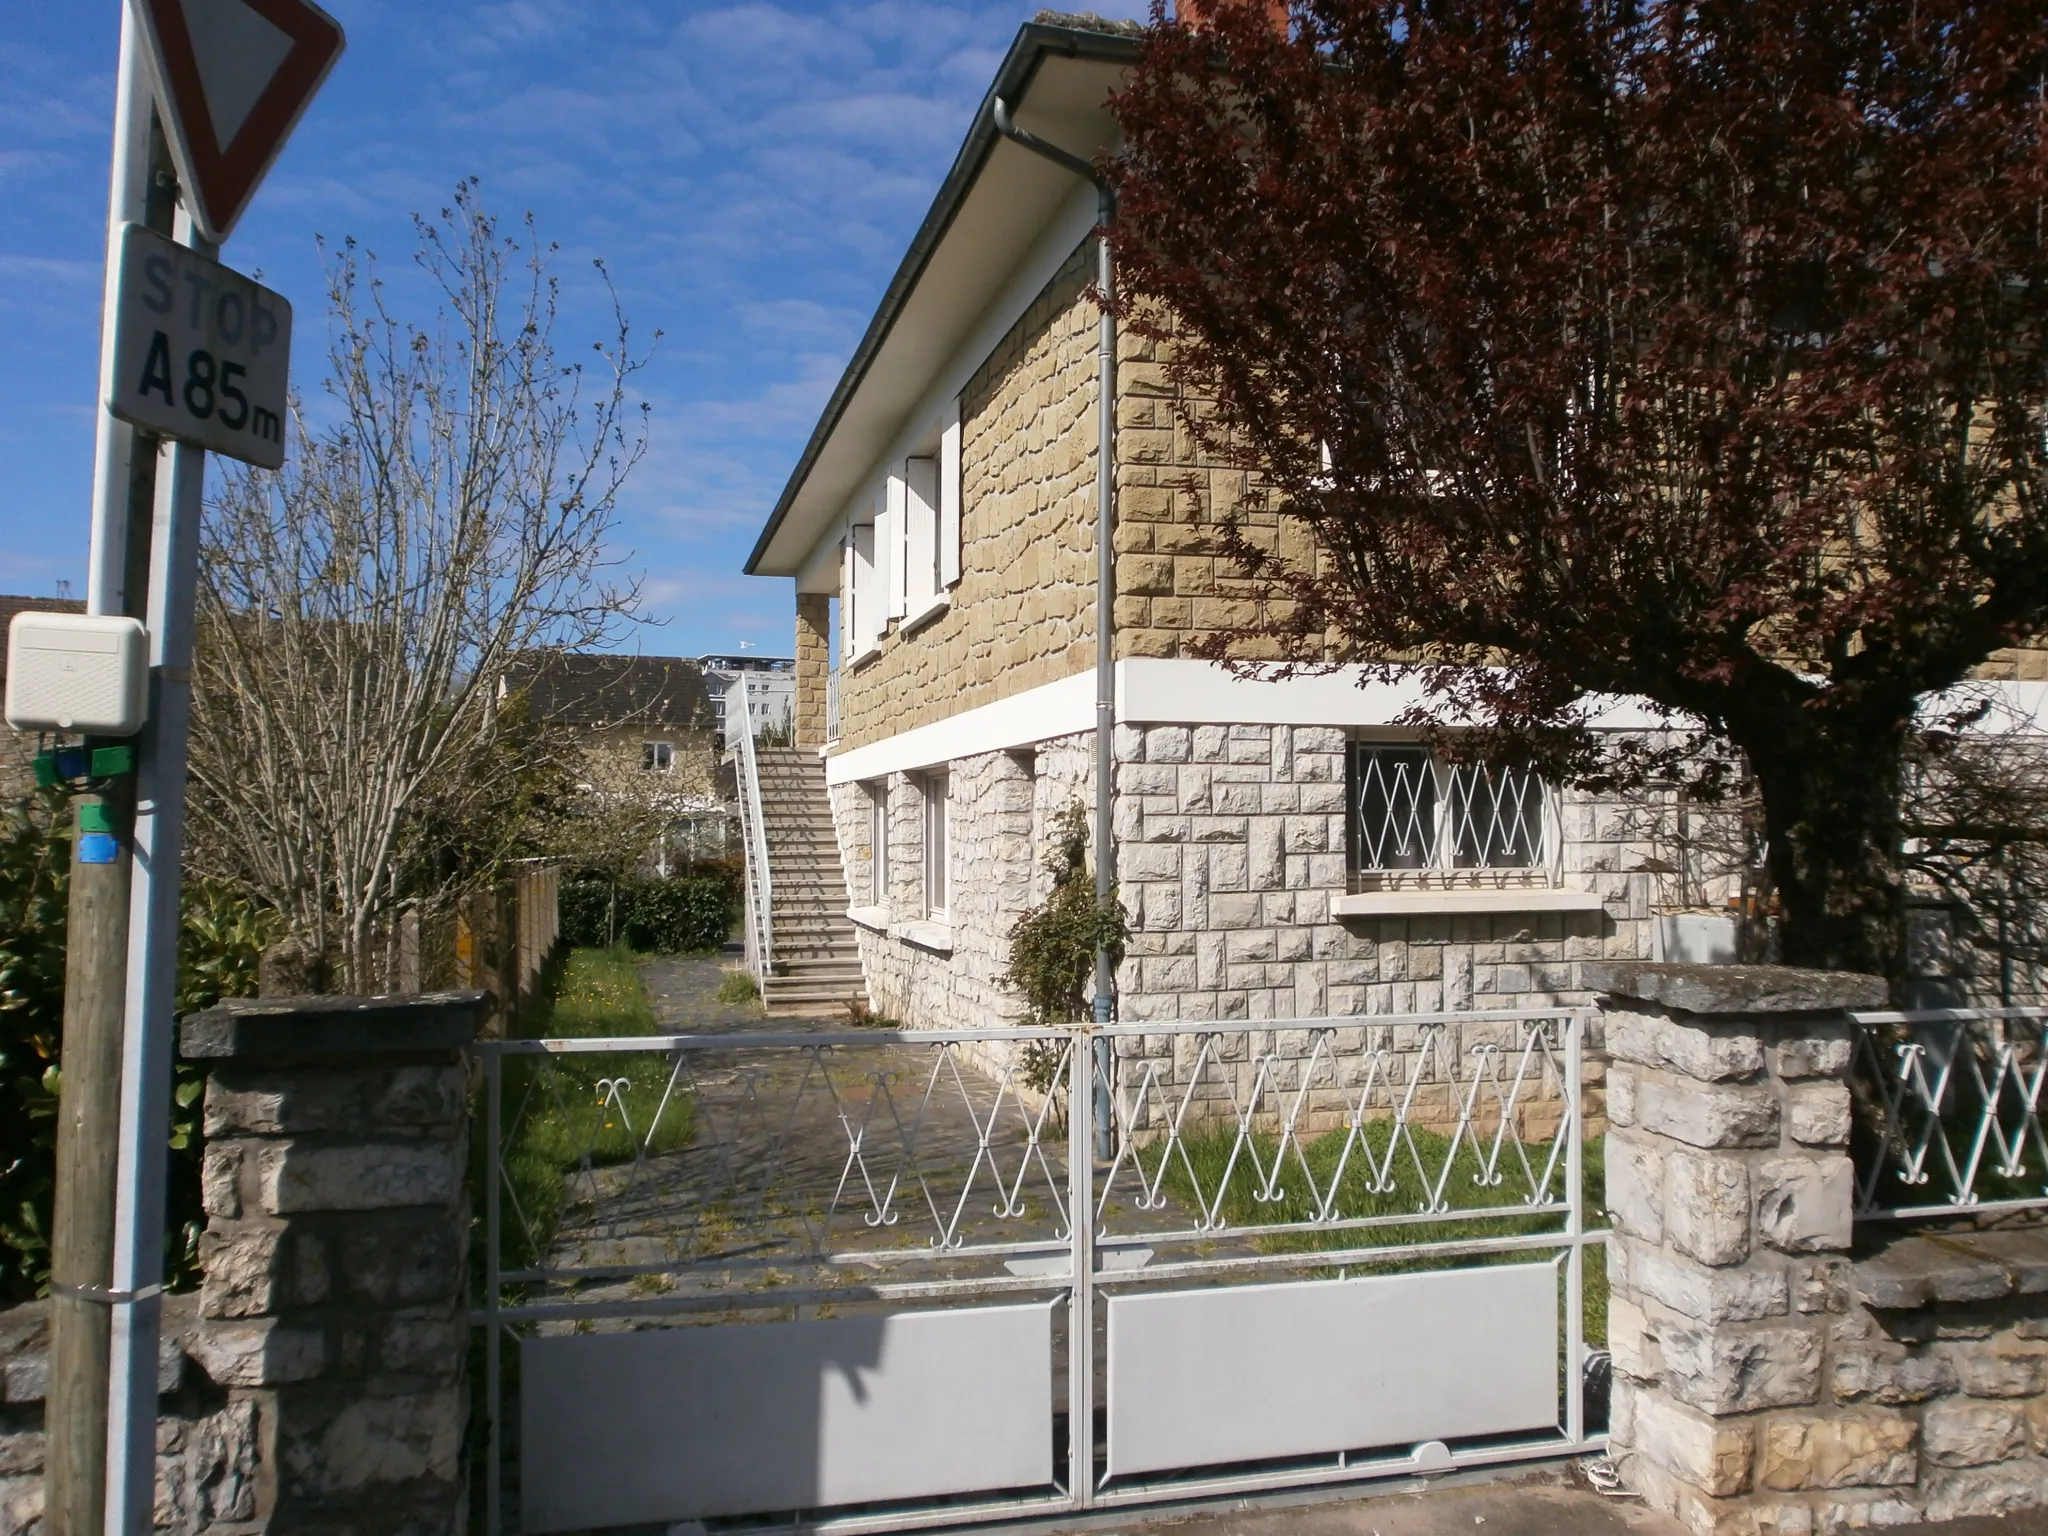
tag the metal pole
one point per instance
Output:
(1575, 1230)
(148, 1042)
(82, 1279)
(494, 1369)
(1105, 584)
(1105, 646)
(1081, 1309)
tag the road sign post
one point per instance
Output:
(193, 357)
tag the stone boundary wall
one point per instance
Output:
(1770, 1376)
(316, 1383)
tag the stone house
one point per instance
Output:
(1283, 848)
(644, 725)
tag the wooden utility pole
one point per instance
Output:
(96, 934)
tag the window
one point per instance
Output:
(938, 806)
(1409, 810)
(657, 756)
(878, 843)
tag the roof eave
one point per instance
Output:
(1035, 40)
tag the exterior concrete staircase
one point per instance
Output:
(817, 954)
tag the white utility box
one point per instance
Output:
(82, 672)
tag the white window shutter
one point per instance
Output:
(848, 613)
(921, 512)
(866, 581)
(898, 563)
(949, 496)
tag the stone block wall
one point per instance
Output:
(210, 1441)
(813, 666)
(1767, 1380)
(1004, 806)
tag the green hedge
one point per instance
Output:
(683, 913)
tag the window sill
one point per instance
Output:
(865, 654)
(875, 919)
(912, 623)
(1423, 903)
(934, 936)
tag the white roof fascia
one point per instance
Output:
(1068, 227)
(1007, 212)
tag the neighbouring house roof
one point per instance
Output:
(993, 204)
(565, 688)
(10, 605)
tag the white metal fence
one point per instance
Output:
(759, 886)
(1948, 1111)
(880, 1280)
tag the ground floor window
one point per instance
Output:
(878, 843)
(1409, 810)
(657, 756)
(938, 804)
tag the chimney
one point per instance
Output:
(1197, 13)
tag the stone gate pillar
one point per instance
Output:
(335, 1253)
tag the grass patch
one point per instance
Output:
(738, 987)
(578, 1111)
(1361, 1192)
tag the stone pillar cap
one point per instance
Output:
(1735, 989)
(274, 1027)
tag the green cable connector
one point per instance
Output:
(110, 762)
(93, 817)
(46, 771)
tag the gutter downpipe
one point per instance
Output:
(1105, 582)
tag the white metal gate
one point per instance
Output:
(877, 1280)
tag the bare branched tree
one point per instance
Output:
(451, 509)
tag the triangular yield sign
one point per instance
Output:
(232, 77)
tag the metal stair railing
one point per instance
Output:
(759, 884)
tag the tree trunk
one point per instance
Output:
(1831, 787)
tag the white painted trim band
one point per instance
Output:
(1174, 692)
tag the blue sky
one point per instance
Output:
(750, 174)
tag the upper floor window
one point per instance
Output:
(1409, 810)
(657, 756)
(900, 559)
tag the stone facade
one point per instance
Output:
(1764, 1380)
(1023, 612)
(317, 1381)
(813, 667)
(1003, 808)
(1230, 847)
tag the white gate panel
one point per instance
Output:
(1244, 1373)
(727, 1419)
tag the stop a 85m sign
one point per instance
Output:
(201, 353)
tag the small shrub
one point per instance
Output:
(1052, 946)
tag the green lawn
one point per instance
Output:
(1194, 1179)
(564, 1113)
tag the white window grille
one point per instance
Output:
(657, 756)
(1408, 810)
(938, 805)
